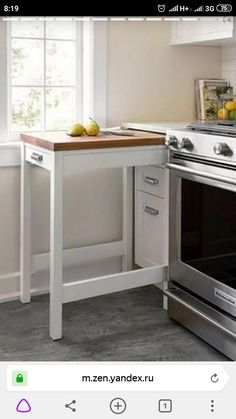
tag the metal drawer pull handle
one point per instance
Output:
(151, 180)
(36, 157)
(151, 211)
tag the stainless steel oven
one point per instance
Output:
(202, 249)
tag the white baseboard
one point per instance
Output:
(83, 262)
(10, 283)
(80, 255)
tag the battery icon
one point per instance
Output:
(224, 8)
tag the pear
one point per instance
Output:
(76, 130)
(92, 128)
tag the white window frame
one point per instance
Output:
(91, 75)
(78, 80)
(94, 71)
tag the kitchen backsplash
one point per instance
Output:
(229, 65)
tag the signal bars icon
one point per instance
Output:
(174, 9)
(199, 9)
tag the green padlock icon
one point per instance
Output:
(19, 378)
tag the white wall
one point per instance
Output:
(92, 215)
(229, 65)
(91, 212)
(147, 80)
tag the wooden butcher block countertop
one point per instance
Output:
(60, 141)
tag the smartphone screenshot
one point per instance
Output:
(117, 210)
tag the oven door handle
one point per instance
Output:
(169, 294)
(207, 175)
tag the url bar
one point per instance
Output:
(116, 376)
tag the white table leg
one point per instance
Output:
(127, 230)
(25, 229)
(56, 197)
(165, 303)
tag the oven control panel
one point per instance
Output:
(202, 144)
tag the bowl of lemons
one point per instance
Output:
(227, 107)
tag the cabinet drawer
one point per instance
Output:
(38, 157)
(150, 237)
(151, 179)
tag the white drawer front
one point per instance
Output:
(151, 179)
(38, 157)
(149, 230)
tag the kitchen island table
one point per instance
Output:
(61, 154)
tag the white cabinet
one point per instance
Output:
(219, 31)
(151, 212)
(151, 179)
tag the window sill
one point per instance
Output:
(9, 144)
(10, 153)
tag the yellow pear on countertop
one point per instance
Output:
(92, 128)
(76, 130)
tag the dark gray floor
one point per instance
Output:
(126, 326)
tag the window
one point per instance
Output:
(44, 76)
(52, 73)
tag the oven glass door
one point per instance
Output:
(202, 233)
(208, 230)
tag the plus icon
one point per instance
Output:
(118, 406)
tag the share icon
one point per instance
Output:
(68, 405)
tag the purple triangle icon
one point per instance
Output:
(23, 406)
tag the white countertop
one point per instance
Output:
(160, 127)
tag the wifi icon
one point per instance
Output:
(199, 9)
